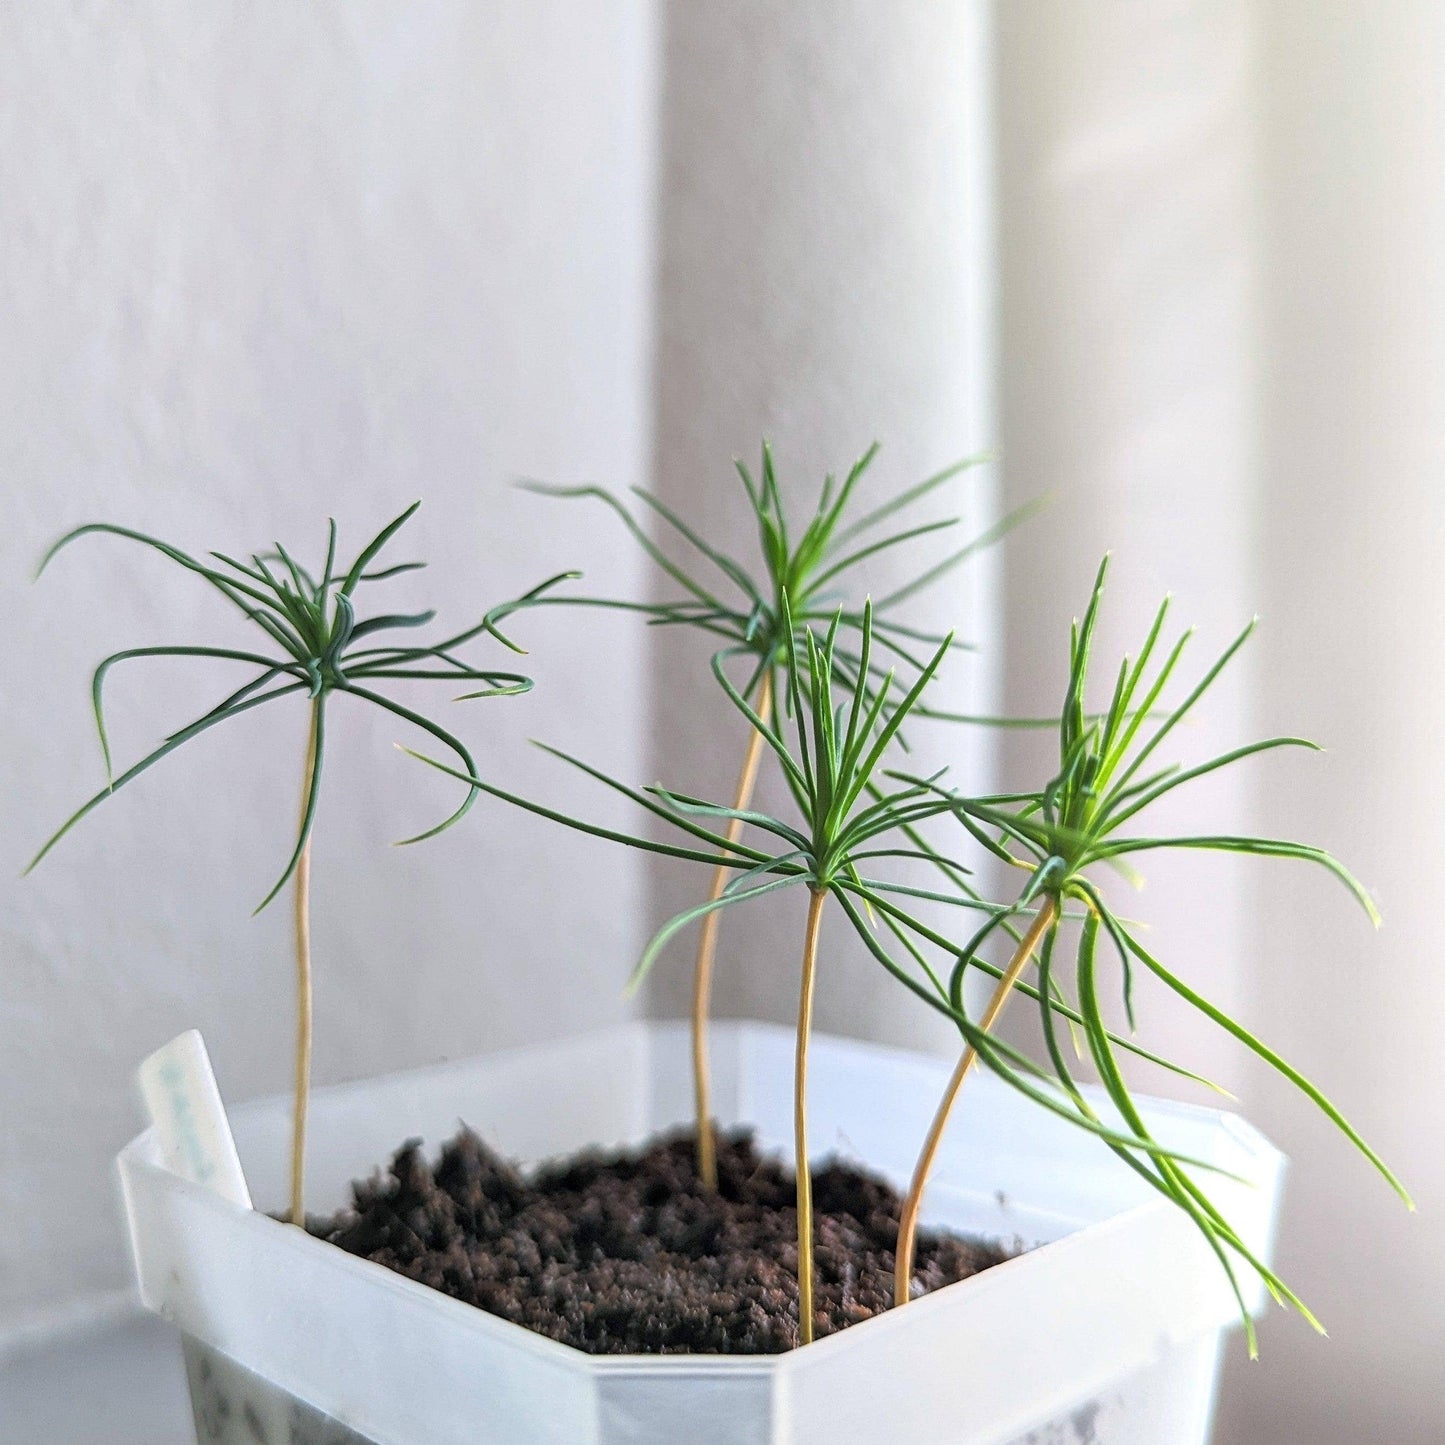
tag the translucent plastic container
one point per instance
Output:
(1107, 1330)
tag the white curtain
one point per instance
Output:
(1223, 334)
(824, 243)
(1217, 226)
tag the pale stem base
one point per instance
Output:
(800, 1119)
(908, 1217)
(707, 951)
(303, 1007)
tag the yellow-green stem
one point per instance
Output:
(707, 950)
(908, 1217)
(800, 1119)
(303, 1000)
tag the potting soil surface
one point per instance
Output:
(626, 1253)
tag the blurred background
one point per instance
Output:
(264, 263)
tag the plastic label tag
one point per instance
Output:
(185, 1106)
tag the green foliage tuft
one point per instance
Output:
(312, 632)
(1108, 775)
(750, 609)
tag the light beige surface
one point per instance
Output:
(1127, 380)
(116, 1382)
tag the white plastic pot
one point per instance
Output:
(1108, 1330)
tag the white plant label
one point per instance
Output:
(185, 1106)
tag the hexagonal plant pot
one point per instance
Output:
(1107, 1329)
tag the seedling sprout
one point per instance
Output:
(1057, 834)
(312, 631)
(846, 826)
(745, 608)
(815, 680)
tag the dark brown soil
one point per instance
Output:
(625, 1253)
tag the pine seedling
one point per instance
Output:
(847, 826)
(1109, 775)
(316, 647)
(743, 609)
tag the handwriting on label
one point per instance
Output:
(179, 1089)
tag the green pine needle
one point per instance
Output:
(310, 623)
(742, 606)
(1077, 820)
(845, 821)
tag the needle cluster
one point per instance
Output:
(808, 567)
(1083, 822)
(310, 625)
(317, 645)
(853, 814)
(824, 686)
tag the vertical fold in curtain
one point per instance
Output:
(1127, 325)
(1223, 341)
(824, 277)
(1352, 409)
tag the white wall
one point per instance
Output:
(262, 262)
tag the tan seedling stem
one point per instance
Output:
(800, 1119)
(303, 1001)
(908, 1218)
(707, 950)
